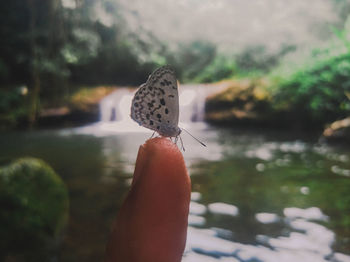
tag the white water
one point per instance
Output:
(115, 121)
(115, 111)
(111, 106)
(116, 106)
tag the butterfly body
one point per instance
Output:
(170, 131)
(156, 103)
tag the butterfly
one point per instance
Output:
(156, 103)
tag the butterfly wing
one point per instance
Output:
(156, 103)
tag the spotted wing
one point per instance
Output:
(156, 102)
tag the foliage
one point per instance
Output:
(256, 59)
(34, 210)
(51, 47)
(204, 64)
(317, 91)
(13, 106)
(307, 94)
(193, 58)
(222, 67)
(45, 46)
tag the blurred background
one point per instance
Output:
(264, 83)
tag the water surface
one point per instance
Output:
(256, 194)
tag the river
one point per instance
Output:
(258, 194)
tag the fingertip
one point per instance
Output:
(160, 152)
(162, 145)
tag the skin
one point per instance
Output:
(151, 225)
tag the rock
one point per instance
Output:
(243, 101)
(338, 131)
(34, 210)
(83, 107)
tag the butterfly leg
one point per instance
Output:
(182, 144)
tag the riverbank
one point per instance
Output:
(230, 103)
(252, 103)
(82, 107)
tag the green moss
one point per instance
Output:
(88, 98)
(13, 107)
(244, 101)
(34, 211)
(317, 93)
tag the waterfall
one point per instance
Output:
(115, 111)
(192, 103)
(116, 106)
(113, 106)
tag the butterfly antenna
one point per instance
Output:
(152, 135)
(194, 138)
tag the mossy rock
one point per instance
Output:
(81, 108)
(34, 210)
(338, 132)
(242, 101)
